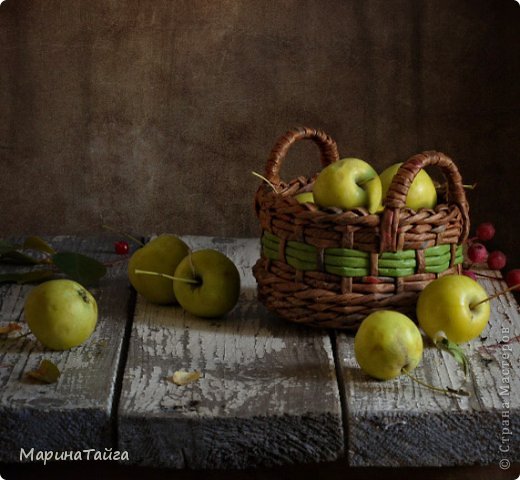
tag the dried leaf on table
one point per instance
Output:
(39, 244)
(181, 377)
(47, 372)
(10, 327)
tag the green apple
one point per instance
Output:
(218, 283)
(447, 307)
(61, 313)
(206, 283)
(306, 197)
(422, 193)
(347, 184)
(162, 254)
(387, 344)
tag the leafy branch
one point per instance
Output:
(78, 267)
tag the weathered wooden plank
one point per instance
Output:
(74, 413)
(268, 393)
(398, 423)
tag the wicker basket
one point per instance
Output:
(331, 268)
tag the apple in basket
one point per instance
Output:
(422, 192)
(348, 183)
(305, 197)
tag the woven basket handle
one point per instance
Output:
(327, 146)
(395, 198)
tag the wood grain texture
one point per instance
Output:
(399, 423)
(268, 393)
(74, 413)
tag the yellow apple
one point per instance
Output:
(61, 313)
(347, 184)
(215, 286)
(162, 254)
(306, 197)
(422, 193)
(206, 283)
(445, 308)
(387, 344)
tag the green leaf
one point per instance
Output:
(47, 372)
(35, 276)
(456, 352)
(6, 247)
(82, 269)
(17, 258)
(26, 277)
(37, 243)
(9, 277)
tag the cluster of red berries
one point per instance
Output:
(496, 260)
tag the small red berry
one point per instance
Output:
(477, 253)
(470, 274)
(485, 231)
(513, 277)
(496, 260)
(121, 247)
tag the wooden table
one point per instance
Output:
(271, 393)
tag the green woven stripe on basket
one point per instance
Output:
(396, 272)
(300, 264)
(355, 263)
(349, 262)
(437, 250)
(346, 252)
(271, 242)
(300, 254)
(402, 255)
(346, 271)
(405, 263)
(434, 261)
(302, 247)
(270, 254)
(438, 268)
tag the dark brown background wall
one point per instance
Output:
(150, 115)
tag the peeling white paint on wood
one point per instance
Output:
(400, 423)
(75, 412)
(267, 395)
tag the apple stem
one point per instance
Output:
(445, 391)
(265, 180)
(164, 275)
(190, 259)
(495, 295)
(478, 274)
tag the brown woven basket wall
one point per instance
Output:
(322, 299)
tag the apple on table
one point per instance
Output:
(454, 307)
(388, 344)
(162, 255)
(61, 313)
(206, 283)
(215, 283)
